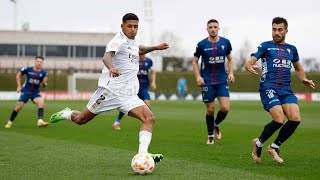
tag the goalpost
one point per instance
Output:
(83, 82)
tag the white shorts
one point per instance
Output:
(103, 100)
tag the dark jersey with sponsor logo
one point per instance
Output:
(33, 80)
(276, 62)
(213, 58)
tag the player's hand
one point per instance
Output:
(153, 86)
(114, 72)
(18, 89)
(231, 78)
(200, 81)
(309, 83)
(162, 46)
(252, 69)
(44, 84)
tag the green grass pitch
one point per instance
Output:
(94, 151)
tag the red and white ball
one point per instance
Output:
(142, 163)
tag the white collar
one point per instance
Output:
(129, 40)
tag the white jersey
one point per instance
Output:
(126, 59)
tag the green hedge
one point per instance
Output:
(167, 82)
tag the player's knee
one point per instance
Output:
(150, 119)
(225, 109)
(279, 119)
(295, 117)
(210, 112)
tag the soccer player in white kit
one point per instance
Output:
(118, 84)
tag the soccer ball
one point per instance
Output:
(142, 163)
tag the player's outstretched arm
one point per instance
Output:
(250, 65)
(147, 49)
(302, 76)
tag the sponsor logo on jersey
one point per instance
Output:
(208, 49)
(133, 58)
(217, 59)
(281, 63)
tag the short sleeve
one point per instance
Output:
(24, 71)
(295, 55)
(260, 51)
(198, 51)
(114, 45)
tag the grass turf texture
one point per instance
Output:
(94, 151)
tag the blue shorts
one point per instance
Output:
(24, 97)
(144, 94)
(210, 92)
(274, 97)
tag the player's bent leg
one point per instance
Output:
(39, 101)
(210, 122)
(221, 115)
(116, 124)
(144, 114)
(14, 114)
(82, 117)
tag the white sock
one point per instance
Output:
(66, 115)
(259, 144)
(273, 145)
(40, 120)
(144, 141)
(9, 122)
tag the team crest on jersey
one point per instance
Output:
(288, 50)
(222, 47)
(40, 75)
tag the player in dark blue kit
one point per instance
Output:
(145, 69)
(212, 76)
(35, 76)
(277, 58)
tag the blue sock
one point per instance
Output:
(121, 114)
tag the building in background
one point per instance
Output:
(63, 51)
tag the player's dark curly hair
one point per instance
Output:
(40, 57)
(279, 20)
(212, 21)
(129, 16)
